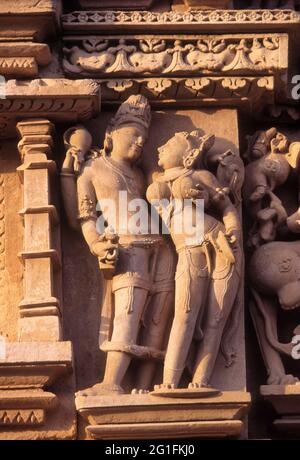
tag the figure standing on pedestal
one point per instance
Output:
(140, 266)
(208, 271)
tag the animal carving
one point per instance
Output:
(271, 159)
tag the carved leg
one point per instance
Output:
(190, 296)
(220, 302)
(272, 359)
(156, 321)
(129, 306)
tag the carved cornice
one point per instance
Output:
(142, 56)
(59, 100)
(206, 21)
(19, 59)
(36, 19)
(251, 92)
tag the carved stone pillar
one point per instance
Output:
(36, 379)
(40, 314)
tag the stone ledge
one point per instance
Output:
(31, 18)
(285, 399)
(109, 416)
(57, 99)
(175, 430)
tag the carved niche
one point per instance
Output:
(158, 326)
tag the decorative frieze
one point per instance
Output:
(37, 19)
(250, 92)
(58, 99)
(233, 20)
(165, 55)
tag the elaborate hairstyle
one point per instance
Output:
(197, 145)
(135, 110)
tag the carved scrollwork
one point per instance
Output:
(169, 56)
(250, 91)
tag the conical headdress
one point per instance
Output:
(135, 110)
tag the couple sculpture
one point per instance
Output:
(172, 296)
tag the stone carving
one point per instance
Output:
(209, 269)
(253, 92)
(268, 169)
(22, 60)
(58, 99)
(165, 55)
(140, 267)
(275, 262)
(105, 19)
(19, 418)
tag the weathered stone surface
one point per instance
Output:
(26, 370)
(286, 401)
(117, 4)
(31, 18)
(141, 416)
(183, 83)
(59, 100)
(164, 55)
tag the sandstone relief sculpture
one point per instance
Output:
(209, 268)
(139, 268)
(101, 19)
(165, 55)
(274, 265)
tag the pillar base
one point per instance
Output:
(27, 371)
(285, 399)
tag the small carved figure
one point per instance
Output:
(268, 169)
(274, 266)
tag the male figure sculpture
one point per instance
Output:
(140, 265)
(208, 271)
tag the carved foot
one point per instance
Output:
(137, 391)
(101, 389)
(195, 385)
(194, 391)
(164, 386)
(286, 379)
